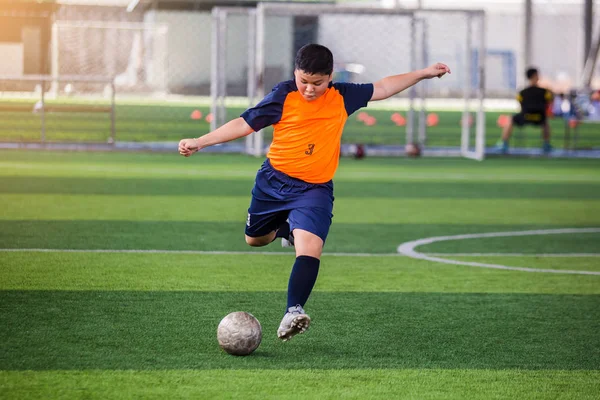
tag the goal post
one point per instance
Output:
(232, 50)
(452, 36)
(474, 147)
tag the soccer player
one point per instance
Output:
(292, 196)
(534, 102)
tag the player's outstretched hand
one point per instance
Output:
(187, 147)
(437, 69)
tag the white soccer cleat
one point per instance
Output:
(294, 321)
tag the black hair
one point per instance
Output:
(531, 72)
(314, 59)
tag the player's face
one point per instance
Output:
(311, 86)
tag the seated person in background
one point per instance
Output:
(534, 102)
(595, 106)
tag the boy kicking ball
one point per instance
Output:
(292, 196)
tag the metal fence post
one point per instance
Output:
(43, 115)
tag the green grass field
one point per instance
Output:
(116, 269)
(171, 122)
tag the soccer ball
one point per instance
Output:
(239, 333)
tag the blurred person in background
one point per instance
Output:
(534, 101)
(595, 106)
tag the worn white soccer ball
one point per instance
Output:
(239, 333)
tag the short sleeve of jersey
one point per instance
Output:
(355, 95)
(268, 111)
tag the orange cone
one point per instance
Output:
(209, 118)
(398, 119)
(432, 119)
(370, 121)
(196, 114)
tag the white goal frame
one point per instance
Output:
(415, 129)
(218, 79)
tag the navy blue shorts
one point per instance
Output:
(277, 197)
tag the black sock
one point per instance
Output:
(283, 231)
(302, 279)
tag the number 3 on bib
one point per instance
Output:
(309, 152)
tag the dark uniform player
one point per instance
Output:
(534, 102)
(292, 196)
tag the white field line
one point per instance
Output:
(549, 255)
(405, 249)
(408, 249)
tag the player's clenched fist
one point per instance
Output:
(187, 147)
(436, 70)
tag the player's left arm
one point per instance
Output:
(391, 85)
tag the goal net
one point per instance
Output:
(444, 117)
(134, 55)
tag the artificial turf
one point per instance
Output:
(85, 316)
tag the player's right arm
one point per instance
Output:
(232, 130)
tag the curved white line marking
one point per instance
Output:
(408, 249)
(545, 255)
